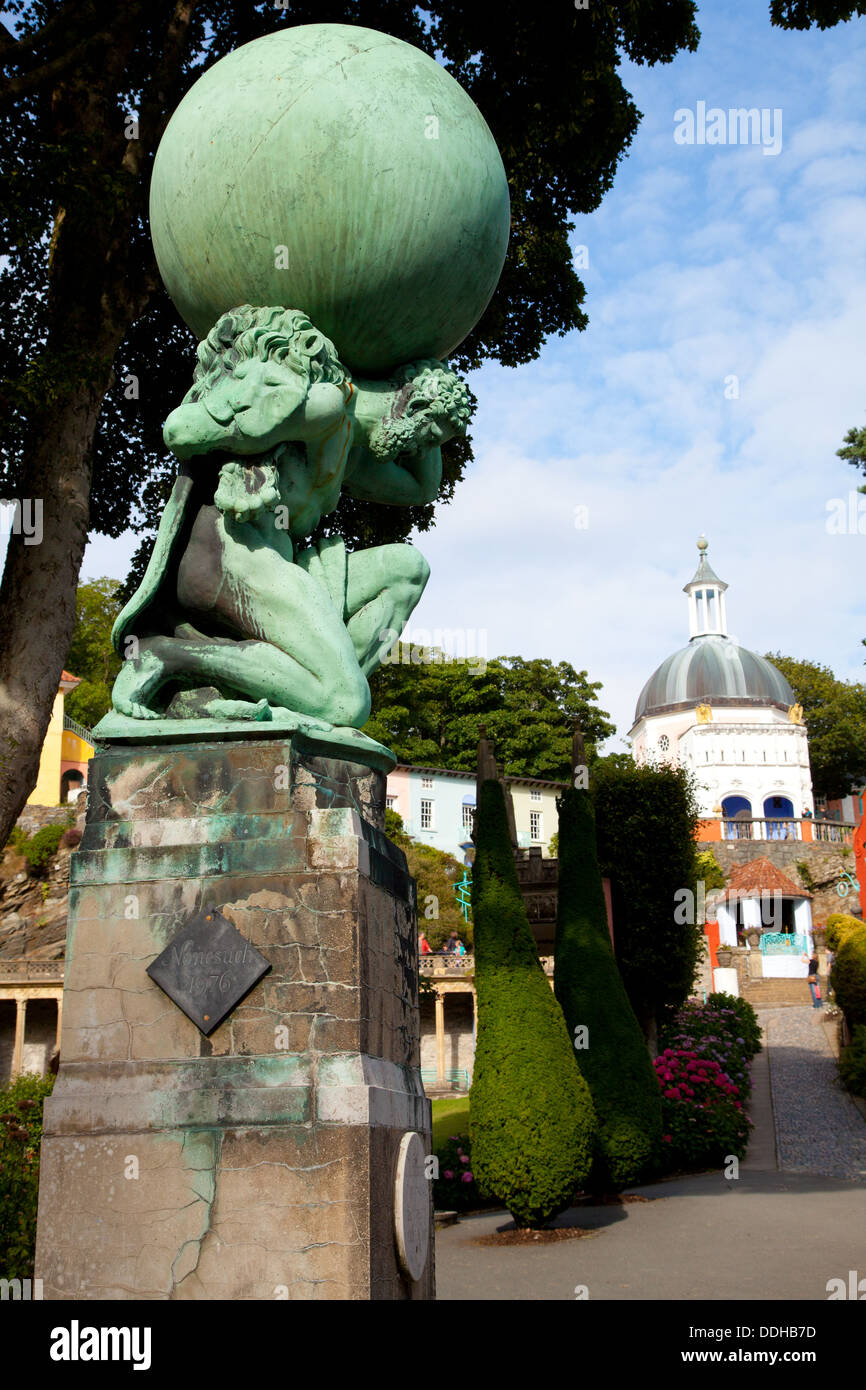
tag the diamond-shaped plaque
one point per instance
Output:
(207, 968)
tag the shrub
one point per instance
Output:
(715, 1030)
(705, 1081)
(840, 925)
(456, 1189)
(702, 1108)
(849, 972)
(615, 1063)
(645, 821)
(41, 849)
(17, 839)
(852, 1063)
(742, 1020)
(20, 1137)
(531, 1119)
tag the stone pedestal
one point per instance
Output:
(270, 1159)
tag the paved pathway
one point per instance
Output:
(771, 1234)
(818, 1127)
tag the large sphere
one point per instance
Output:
(338, 171)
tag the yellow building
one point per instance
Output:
(65, 753)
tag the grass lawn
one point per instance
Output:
(450, 1117)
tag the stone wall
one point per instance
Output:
(825, 862)
(459, 1042)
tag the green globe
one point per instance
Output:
(338, 171)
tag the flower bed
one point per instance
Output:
(455, 1189)
(703, 1072)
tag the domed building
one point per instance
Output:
(731, 717)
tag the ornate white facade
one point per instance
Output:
(729, 716)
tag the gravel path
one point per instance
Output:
(818, 1127)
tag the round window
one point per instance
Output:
(664, 743)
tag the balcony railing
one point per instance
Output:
(796, 828)
(445, 965)
(31, 971)
(779, 943)
(80, 729)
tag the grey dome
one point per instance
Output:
(715, 671)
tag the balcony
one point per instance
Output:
(444, 965)
(802, 828)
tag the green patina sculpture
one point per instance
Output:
(343, 183)
(230, 620)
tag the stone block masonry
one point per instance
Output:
(258, 1163)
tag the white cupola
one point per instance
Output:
(706, 594)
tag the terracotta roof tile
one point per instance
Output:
(760, 876)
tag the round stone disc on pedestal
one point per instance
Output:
(412, 1207)
(338, 171)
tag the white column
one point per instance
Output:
(752, 913)
(727, 925)
(18, 1048)
(440, 1041)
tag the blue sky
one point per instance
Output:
(706, 263)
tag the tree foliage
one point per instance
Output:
(428, 711)
(91, 656)
(93, 355)
(550, 92)
(614, 1062)
(835, 715)
(435, 873)
(803, 14)
(531, 1117)
(646, 819)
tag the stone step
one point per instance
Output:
(778, 992)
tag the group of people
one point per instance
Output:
(453, 946)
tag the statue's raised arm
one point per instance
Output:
(399, 427)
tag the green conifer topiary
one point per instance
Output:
(531, 1117)
(612, 1054)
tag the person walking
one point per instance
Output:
(424, 945)
(812, 979)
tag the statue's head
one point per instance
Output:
(254, 369)
(428, 406)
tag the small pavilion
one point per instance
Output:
(765, 910)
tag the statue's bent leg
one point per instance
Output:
(383, 587)
(298, 654)
(257, 669)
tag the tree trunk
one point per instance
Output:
(37, 595)
(96, 288)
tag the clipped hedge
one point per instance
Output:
(852, 1063)
(615, 1061)
(848, 975)
(531, 1118)
(840, 925)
